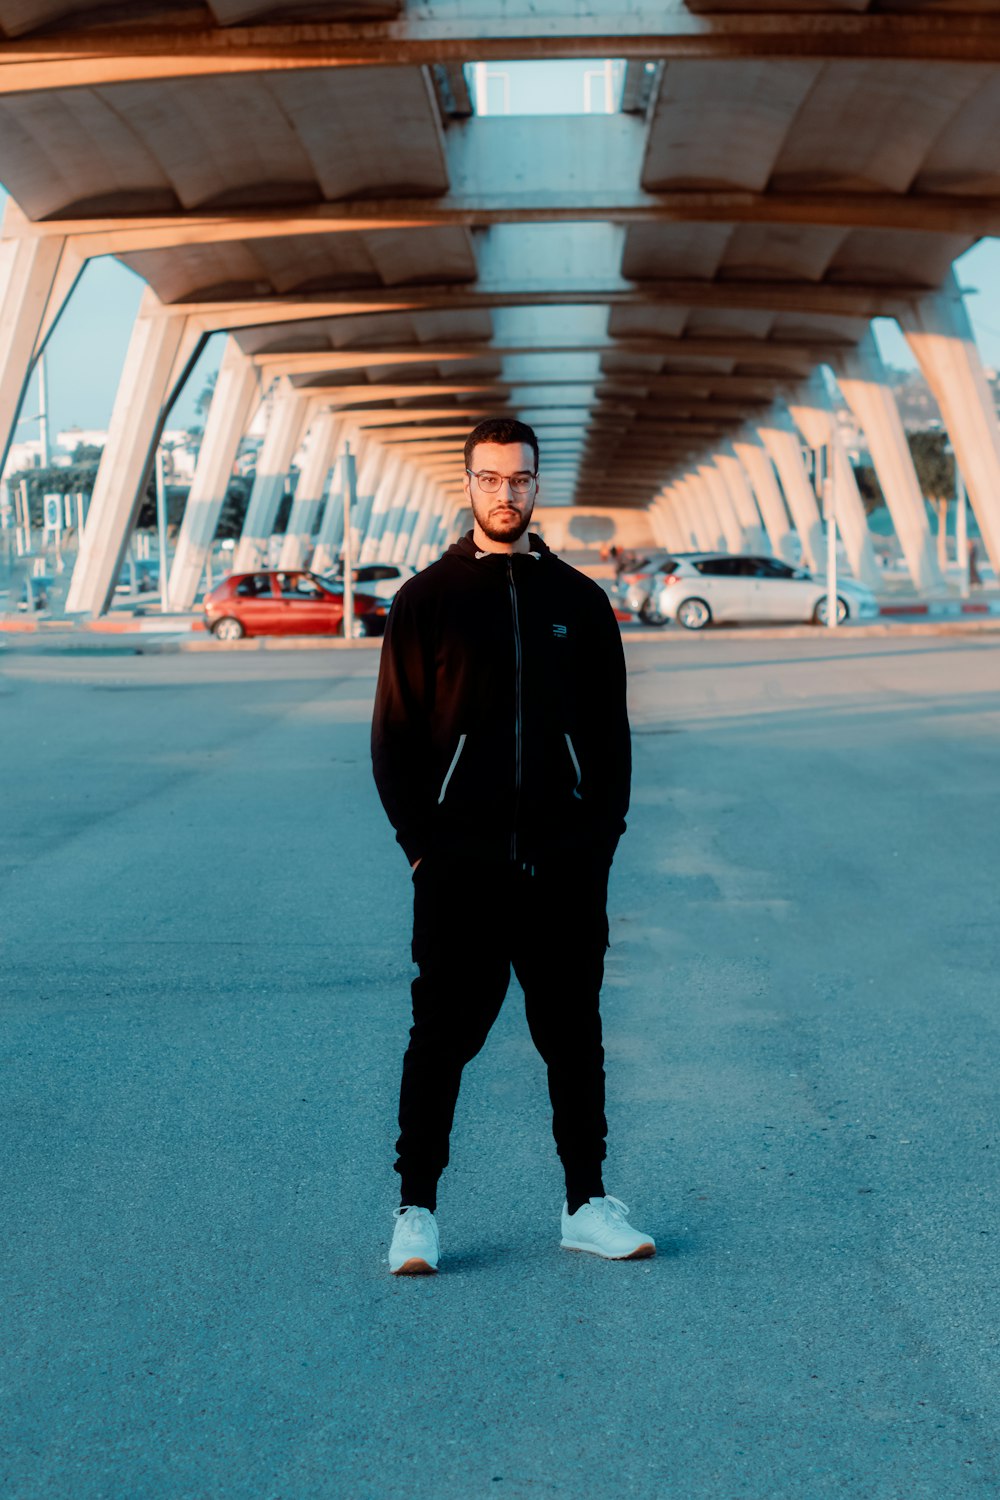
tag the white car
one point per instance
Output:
(718, 588)
(379, 580)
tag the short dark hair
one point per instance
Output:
(501, 430)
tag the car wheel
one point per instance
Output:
(693, 614)
(820, 612)
(228, 629)
(649, 615)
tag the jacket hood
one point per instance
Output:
(466, 551)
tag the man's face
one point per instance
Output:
(504, 515)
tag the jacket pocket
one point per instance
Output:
(451, 769)
(576, 765)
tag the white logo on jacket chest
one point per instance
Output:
(559, 631)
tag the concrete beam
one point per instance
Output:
(656, 30)
(551, 201)
(553, 289)
(798, 354)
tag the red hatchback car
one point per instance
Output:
(284, 603)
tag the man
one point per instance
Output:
(501, 751)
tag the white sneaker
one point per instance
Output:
(415, 1243)
(601, 1227)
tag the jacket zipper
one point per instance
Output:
(451, 769)
(517, 706)
(576, 765)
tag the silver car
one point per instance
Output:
(714, 587)
(637, 585)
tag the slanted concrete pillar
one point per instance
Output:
(426, 526)
(284, 433)
(782, 443)
(938, 331)
(686, 511)
(675, 539)
(659, 523)
(37, 275)
(812, 413)
(399, 503)
(330, 538)
(368, 459)
(419, 501)
(732, 532)
(754, 537)
(237, 392)
(161, 352)
(440, 536)
(758, 467)
(706, 526)
(310, 490)
(381, 502)
(861, 377)
(370, 471)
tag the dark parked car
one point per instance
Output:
(285, 603)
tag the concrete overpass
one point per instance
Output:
(654, 289)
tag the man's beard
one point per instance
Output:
(501, 531)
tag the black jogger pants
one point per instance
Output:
(472, 921)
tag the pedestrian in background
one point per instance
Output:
(501, 752)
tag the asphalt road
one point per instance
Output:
(204, 973)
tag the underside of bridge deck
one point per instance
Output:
(646, 284)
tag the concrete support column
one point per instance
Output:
(419, 502)
(237, 390)
(440, 535)
(284, 433)
(161, 352)
(757, 466)
(381, 502)
(370, 471)
(732, 531)
(426, 527)
(814, 417)
(782, 443)
(939, 332)
(861, 377)
(324, 439)
(37, 275)
(741, 495)
(670, 519)
(688, 516)
(400, 503)
(705, 523)
(330, 538)
(657, 512)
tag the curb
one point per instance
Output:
(150, 645)
(107, 625)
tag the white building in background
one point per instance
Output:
(24, 455)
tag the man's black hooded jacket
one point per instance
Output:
(500, 727)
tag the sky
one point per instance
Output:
(87, 349)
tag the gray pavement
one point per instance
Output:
(204, 972)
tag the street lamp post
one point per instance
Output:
(961, 532)
(350, 497)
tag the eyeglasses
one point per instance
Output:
(489, 483)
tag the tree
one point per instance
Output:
(75, 479)
(869, 488)
(935, 468)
